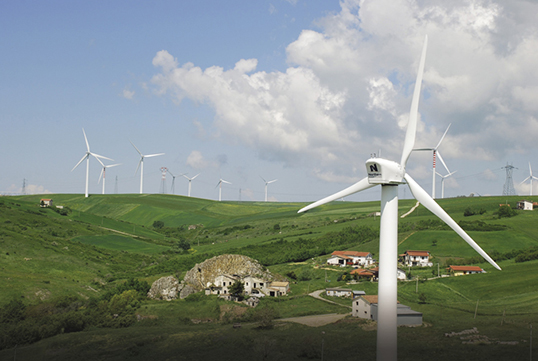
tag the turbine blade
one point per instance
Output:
(428, 202)
(112, 165)
(153, 155)
(443, 137)
(272, 181)
(86, 139)
(139, 162)
(100, 175)
(361, 185)
(80, 161)
(135, 148)
(421, 149)
(195, 176)
(442, 161)
(223, 181)
(526, 179)
(413, 114)
(99, 160)
(100, 156)
(530, 169)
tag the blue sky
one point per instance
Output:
(299, 91)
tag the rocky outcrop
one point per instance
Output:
(203, 275)
(165, 288)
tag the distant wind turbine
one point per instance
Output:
(173, 188)
(266, 183)
(219, 184)
(443, 177)
(436, 152)
(141, 164)
(530, 177)
(86, 158)
(390, 175)
(103, 172)
(190, 180)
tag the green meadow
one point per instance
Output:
(52, 259)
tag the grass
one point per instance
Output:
(84, 253)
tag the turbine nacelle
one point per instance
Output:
(384, 171)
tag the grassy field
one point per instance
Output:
(101, 241)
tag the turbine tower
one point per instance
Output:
(508, 188)
(190, 180)
(266, 183)
(86, 158)
(103, 173)
(219, 184)
(436, 153)
(443, 177)
(141, 165)
(390, 175)
(530, 177)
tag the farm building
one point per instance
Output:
(525, 205)
(464, 270)
(366, 307)
(339, 292)
(416, 258)
(45, 202)
(351, 258)
(253, 286)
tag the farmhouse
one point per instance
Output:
(253, 286)
(362, 273)
(400, 274)
(525, 205)
(464, 270)
(345, 258)
(366, 307)
(339, 292)
(416, 258)
(45, 202)
(276, 289)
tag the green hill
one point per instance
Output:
(92, 245)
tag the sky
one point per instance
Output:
(301, 91)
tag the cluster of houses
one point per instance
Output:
(253, 286)
(363, 264)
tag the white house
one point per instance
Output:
(339, 292)
(276, 289)
(525, 205)
(351, 258)
(464, 270)
(416, 258)
(255, 286)
(366, 307)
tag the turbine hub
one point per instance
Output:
(384, 171)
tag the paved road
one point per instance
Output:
(316, 294)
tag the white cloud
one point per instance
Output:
(347, 90)
(128, 94)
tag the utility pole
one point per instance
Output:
(508, 188)
(24, 186)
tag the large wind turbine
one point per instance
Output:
(443, 177)
(266, 183)
(190, 180)
(219, 184)
(87, 158)
(141, 165)
(103, 172)
(390, 175)
(530, 177)
(436, 152)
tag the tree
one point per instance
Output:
(158, 224)
(183, 245)
(237, 289)
(506, 212)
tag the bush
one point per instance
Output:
(506, 212)
(158, 224)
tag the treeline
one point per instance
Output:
(22, 323)
(281, 251)
(438, 225)
(521, 255)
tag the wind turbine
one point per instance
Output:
(436, 152)
(173, 188)
(219, 184)
(141, 164)
(443, 177)
(87, 158)
(103, 172)
(266, 183)
(190, 180)
(390, 175)
(530, 177)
